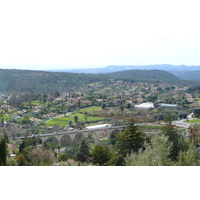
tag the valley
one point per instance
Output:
(36, 103)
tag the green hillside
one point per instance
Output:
(12, 80)
(189, 75)
(144, 74)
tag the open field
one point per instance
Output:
(190, 121)
(64, 121)
(90, 110)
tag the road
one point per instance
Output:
(69, 113)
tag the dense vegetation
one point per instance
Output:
(189, 75)
(41, 81)
(44, 102)
(129, 147)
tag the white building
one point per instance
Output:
(99, 126)
(146, 105)
(169, 105)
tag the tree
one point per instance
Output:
(22, 146)
(178, 142)
(59, 147)
(187, 158)
(42, 157)
(21, 160)
(128, 106)
(155, 153)
(83, 154)
(103, 106)
(75, 118)
(25, 120)
(100, 155)
(63, 157)
(11, 162)
(2, 152)
(70, 123)
(85, 116)
(130, 140)
(2, 113)
(55, 94)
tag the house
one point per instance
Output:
(19, 112)
(140, 100)
(128, 101)
(35, 120)
(16, 117)
(64, 94)
(11, 148)
(99, 100)
(50, 115)
(72, 100)
(85, 102)
(59, 99)
(196, 104)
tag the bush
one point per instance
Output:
(11, 162)
(63, 157)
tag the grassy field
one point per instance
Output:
(35, 103)
(160, 127)
(190, 121)
(89, 110)
(64, 121)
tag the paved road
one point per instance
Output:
(69, 113)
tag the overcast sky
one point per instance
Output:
(43, 34)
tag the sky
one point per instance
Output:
(47, 34)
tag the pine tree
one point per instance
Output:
(2, 152)
(100, 155)
(75, 118)
(178, 142)
(83, 154)
(131, 139)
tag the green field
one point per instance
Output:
(64, 121)
(160, 127)
(190, 121)
(90, 110)
(36, 103)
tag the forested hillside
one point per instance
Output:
(144, 74)
(42, 81)
(190, 75)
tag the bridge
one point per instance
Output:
(98, 133)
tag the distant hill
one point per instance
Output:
(144, 74)
(43, 81)
(188, 75)
(115, 68)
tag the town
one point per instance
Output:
(27, 117)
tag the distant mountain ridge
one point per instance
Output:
(43, 81)
(188, 75)
(115, 68)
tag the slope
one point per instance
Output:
(42, 81)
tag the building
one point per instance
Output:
(168, 105)
(140, 100)
(128, 101)
(145, 105)
(85, 102)
(99, 126)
